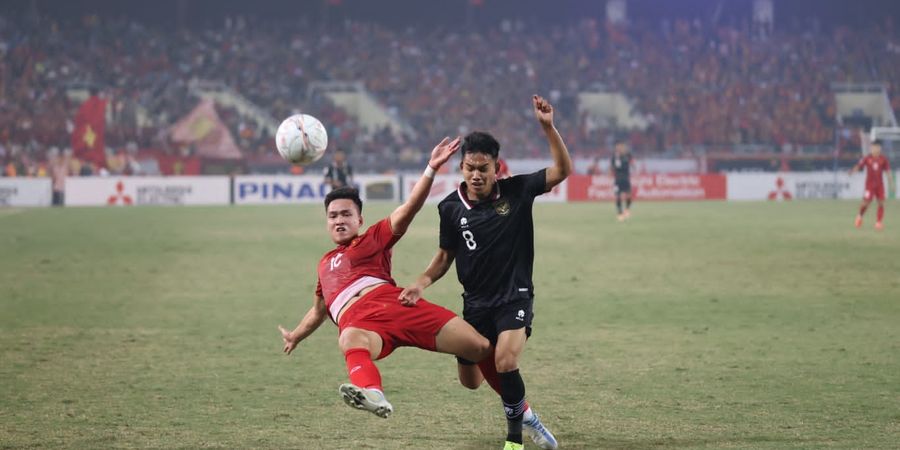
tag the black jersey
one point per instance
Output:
(621, 166)
(339, 175)
(493, 239)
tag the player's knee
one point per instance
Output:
(506, 362)
(349, 340)
(481, 348)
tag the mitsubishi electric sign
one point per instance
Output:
(133, 191)
(788, 186)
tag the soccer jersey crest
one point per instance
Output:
(501, 207)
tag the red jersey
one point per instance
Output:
(875, 167)
(349, 268)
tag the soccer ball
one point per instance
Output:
(301, 139)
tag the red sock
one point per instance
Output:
(489, 370)
(362, 370)
(862, 209)
(880, 212)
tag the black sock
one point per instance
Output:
(513, 396)
(619, 204)
(628, 203)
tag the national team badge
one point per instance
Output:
(501, 207)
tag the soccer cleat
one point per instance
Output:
(367, 399)
(627, 213)
(858, 221)
(879, 226)
(541, 436)
(513, 446)
(620, 217)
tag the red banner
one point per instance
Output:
(90, 128)
(662, 186)
(203, 128)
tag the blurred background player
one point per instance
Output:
(355, 289)
(502, 169)
(594, 169)
(487, 227)
(876, 165)
(339, 173)
(620, 167)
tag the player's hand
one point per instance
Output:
(543, 110)
(443, 151)
(289, 342)
(410, 295)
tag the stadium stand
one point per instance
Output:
(704, 88)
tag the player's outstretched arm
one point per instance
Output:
(438, 267)
(562, 163)
(404, 214)
(858, 166)
(310, 322)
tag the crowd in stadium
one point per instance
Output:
(700, 85)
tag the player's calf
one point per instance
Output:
(470, 375)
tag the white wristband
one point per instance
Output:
(429, 172)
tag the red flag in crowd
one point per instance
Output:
(90, 127)
(203, 128)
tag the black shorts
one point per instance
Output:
(623, 186)
(490, 322)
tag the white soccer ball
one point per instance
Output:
(301, 139)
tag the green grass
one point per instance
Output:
(694, 325)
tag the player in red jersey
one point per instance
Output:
(876, 165)
(356, 291)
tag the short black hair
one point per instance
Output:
(344, 192)
(876, 142)
(480, 142)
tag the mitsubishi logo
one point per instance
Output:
(780, 191)
(119, 195)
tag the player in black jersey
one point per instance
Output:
(620, 166)
(487, 228)
(339, 173)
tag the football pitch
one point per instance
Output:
(694, 325)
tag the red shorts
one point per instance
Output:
(876, 191)
(399, 326)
